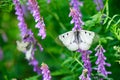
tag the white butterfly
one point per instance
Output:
(25, 47)
(80, 39)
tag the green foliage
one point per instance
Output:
(95, 19)
(6, 5)
(117, 54)
(116, 31)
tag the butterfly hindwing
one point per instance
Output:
(86, 38)
(68, 40)
(73, 46)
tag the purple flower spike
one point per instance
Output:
(34, 8)
(101, 60)
(86, 60)
(19, 12)
(76, 14)
(84, 75)
(45, 72)
(76, 19)
(28, 43)
(99, 4)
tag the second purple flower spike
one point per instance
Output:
(101, 61)
(34, 9)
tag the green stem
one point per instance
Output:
(79, 62)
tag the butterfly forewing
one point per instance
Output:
(68, 39)
(86, 38)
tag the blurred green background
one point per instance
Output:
(59, 59)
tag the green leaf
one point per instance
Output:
(107, 12)
(67, 60)
(109, 23)
(117, 22)
(97, 17)
(103, 40)
(90, 23)
(94, 20)
(109, 38)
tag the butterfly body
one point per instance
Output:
(80, 39)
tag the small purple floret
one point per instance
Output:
(99, 4)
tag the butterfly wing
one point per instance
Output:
(68, 39)
(21, 45)
(29, 53)
(85, 39)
